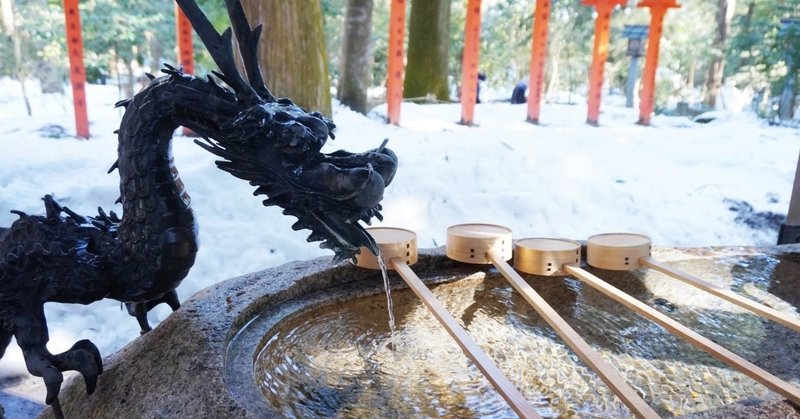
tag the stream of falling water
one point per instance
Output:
(389, 304)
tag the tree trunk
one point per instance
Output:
(428, 45)
(130, 82)
(156, 52)
(356, 55)
(747, 23)
(717, 67)
(786, 103)
(10, 26)
(50, 75)
(555, 75)
(292, 51)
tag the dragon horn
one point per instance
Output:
(248, 47)
(221, 49)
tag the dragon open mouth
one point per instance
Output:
(276, 145)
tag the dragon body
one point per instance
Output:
(142, 256)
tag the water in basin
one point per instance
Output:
(335, 360)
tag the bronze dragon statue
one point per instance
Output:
(140, 258)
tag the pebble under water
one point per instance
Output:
(335, 361)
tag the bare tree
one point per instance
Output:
(7, 13)
(717, 68)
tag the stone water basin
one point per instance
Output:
(311, 340)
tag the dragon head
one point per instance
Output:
(276, 146)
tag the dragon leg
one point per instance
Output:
(32, 337)
(139, 310)
(83, 357)
(171, 298)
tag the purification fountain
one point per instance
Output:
(313, 339)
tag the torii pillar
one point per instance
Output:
(602, 26)
(183, 38)
(541, 19)
(77, 71)
(469, 62)
(183, 32)
(394, 78)
(658, 8)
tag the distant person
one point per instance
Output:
(481, 77)
(518, 95)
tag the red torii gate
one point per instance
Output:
(541, 17)
(394, 76)
(77, 70)
(658, 8)
(469, 65)
(470, 60)
(602, 26)
(183, 31)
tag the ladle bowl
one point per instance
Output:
(544, 256)
(617, 251)
(394, 243)
(472, 243)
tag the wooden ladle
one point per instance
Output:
(399, 250)
(549, 257)
(628, 251)
(492, 244)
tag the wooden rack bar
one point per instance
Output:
(770, 381)
(609, 376)
(500, 382)
(760, 309)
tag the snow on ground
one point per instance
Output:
(675, 181)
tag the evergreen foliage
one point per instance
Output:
(123, 39)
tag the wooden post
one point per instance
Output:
(602, 28)
(183, 31)
(541, 19)
(790, 229)
(77, 72)
(658, 8)
(470, 60)
(394, 76)
(183, 38)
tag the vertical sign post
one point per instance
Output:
(394, 78)
(541, 19)
(635, 35)
(183, 32)
(469, 62)
(184, 38)
(77, 72)
(658, 8)
(602, 26)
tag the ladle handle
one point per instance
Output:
(770, 381)
(500, 382)
(609, 375)
(760, 309)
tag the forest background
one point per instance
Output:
(312, 47)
